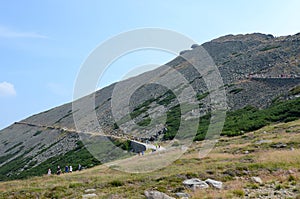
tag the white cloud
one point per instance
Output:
(7, 89)
(8, 33)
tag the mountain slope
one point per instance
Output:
(271, 153)
(256, 70)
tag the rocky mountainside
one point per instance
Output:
(256, 69)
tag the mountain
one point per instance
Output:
(260, 74)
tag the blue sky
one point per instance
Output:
(44, 43)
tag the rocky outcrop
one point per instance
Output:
(157, 195)
(195, 183)
(214, 183)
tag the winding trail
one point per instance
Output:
(146, 145)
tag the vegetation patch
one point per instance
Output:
(168, 97)
(236, 90)
(250, 118)
(295, 91)
(67, 115)
(14, 146)
(202, 95)
(80, 155)
(172, 122)
(37, 133)
(144, 122)
(269, 48)
(116, 183)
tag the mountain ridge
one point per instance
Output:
(255, 68)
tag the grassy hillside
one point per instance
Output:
(272, 153)
(237, 123)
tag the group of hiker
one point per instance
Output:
(68, 169)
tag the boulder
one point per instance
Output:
(90, 195)
(214, 183)
(257, 180)
(156, 195)
(89, 190)
(195, 46)
(182, 195)
(195, 183)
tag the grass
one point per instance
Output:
(222, 163)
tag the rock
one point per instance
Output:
(257, 180)
(229, 172)
(90, 195)
(184, 51)
(89, 190)
(291, 171)
(214, 183)
(279, 145)
(195, 183)
(263, 141)
(211, 172)
(156, 195)
(195, 46)
(182, 195)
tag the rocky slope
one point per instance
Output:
(255, 69)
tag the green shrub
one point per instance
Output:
(253, 186)
(239, 193)
(75, 185)
(116, 183)
(278, 187)
(202, 95)
(291, 178)
(172, 122)
(37, 133)
(145, 122)
(236, 90)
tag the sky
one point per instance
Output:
(44, 43)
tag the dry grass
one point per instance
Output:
(111, 183)
(283, 156)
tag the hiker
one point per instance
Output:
(79, 167)
(71, 169)
(49, 172)
(67, 169)
(58, 170)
